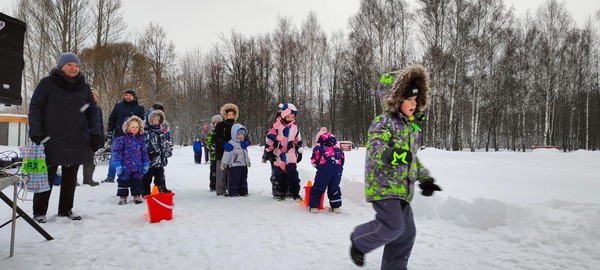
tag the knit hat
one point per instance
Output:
(68, 57)
(287, 109)
(157, 106)
(412, 90)
(217, 118)
(131, 92)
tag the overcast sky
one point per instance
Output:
(197, 23)
(194, 24)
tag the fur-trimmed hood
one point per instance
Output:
(157, 113)
(230, 106)
(130, 120)
(416, 74)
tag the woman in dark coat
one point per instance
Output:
(63, 116)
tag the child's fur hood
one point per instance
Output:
(157, 113)
(230, 106)
(130, 120)
(414, 73)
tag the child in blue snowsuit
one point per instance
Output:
(130, 158)
(236, 158)
(328, 158)
(197, 150)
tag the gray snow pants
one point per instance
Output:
(393, 227)
(222, 183)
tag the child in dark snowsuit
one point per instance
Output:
(236, 159)
(130, 160)
(269, 156)
(210, 146)
(391, 170)
(158, 151)
(328, 158)
(197, 150)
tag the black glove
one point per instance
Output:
(429, 187)
(271, 156)
(299, 158)
(396, 156)
(37, 139)
(96, 142)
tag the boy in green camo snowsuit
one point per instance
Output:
(391, 170)
(210, 145)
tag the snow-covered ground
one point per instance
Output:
(500, 210)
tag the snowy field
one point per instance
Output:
(499, 210)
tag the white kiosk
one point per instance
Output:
(13, 129)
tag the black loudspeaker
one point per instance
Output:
(12, 35)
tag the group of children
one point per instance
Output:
(140, 156)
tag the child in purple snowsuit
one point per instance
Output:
(131, 160)
(328, 158)
(391, 170)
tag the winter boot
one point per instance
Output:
(70, 215)
(88, 173)
(123, 200)
(108, 180)
(40, 218)
(137, 199)
(358, 257)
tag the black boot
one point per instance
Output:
(358, 257)
(88, 174)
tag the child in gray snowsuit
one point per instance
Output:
(236, 158)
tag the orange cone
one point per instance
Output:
(307, 196)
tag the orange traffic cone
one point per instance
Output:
(307, 196)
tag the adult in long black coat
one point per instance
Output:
(122, 110)
(63, 116)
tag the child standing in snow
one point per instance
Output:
(210, 146)
(158, 151)
(287, 150)
(328, 158)
(197, 150)
(130, 160)
(391, 170)
(205, 130)
(269, 156)
(236, 158)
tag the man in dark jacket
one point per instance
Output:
(122, 110)
(63, 117)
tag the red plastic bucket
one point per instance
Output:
(160, 206)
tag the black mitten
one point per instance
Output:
(271, 156)
(96, 142)
(37, 139)
(299, 158)
(429, 187)
(396, 156)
